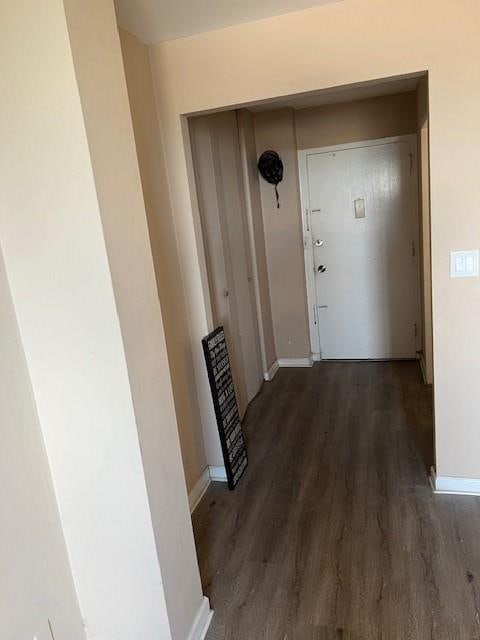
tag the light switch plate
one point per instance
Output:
(464, 264)
(359, 205)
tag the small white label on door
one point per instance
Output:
(359, 208)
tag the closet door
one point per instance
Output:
(220, 191)
(238, 257)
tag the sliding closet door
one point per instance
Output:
(238, 258)
(220, 190)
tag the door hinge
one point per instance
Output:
(314, 315)
(413, 249)
(411, 162)
(415, 329)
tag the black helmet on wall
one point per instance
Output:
(270, 166)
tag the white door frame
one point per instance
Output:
(306, 227)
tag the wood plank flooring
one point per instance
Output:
(334, 533)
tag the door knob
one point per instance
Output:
(322, 268)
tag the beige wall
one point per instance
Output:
(186, 308)
(74, 238)
(57, 267)
(163, 241)
(100, 75)
(283, 237)
(370, 119)
(341, 44)
(35, 581)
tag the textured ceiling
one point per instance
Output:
(156, 20)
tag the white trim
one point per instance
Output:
(295, 362)
(308, 253)
(198, 491)
(307, 236)
(270, 374)
(210, 474)
(202, 621)
(218, 474)
(376, 142)
(454, 485)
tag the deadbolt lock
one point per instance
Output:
(322, 268)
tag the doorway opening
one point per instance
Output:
(330, 294)
(341, 271)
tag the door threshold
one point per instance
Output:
(368, 360)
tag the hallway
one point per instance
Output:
(334, 532)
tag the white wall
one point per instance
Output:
(341, 44)
(36, 583)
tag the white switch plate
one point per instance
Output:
(359, 208)
(464, 264)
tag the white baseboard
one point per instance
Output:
(202, 621)
(270, 374)
(295, 362)
(316, 357)
(196, 494)
(218, 474)
(454, 485)
(288, 362)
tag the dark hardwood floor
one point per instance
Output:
(333, 532)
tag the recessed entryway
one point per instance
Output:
(339, 266)
(340, 270)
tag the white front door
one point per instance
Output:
(361, 243)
